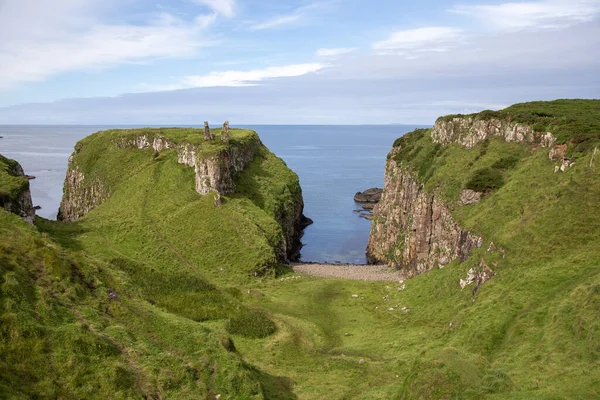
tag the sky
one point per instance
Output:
(289, 61)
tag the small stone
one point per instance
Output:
(391, 309)
(469, 196)
(361, 361)
(355, 296)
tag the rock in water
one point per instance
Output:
(372, 195)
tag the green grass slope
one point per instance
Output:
(72, 327)
(532, 332)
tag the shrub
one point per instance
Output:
(252, 324)
(506, 162)
(486, 179)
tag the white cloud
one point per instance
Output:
(422, 39)
(48, 38)
(226, 8)
(295, 16)
(547, 14)
(239, 78)
(335, 51)
(276, 22)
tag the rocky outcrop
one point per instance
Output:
(372, 195)
(214, 172)
(469, 196)
(16, 198)
(413, 229)
(80, 194)
(469, 131)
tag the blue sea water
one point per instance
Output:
(333, 163)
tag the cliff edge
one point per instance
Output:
(15, 195)
(224, 168)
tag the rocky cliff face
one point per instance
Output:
(213, 172)
(17, 200)
(80, 195)
(469, 131)
(413, 229)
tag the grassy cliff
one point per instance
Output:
(120, 302)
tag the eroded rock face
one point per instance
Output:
(20, 203)
(80, 195)
(413, 229)
(468, 132)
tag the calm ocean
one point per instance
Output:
(333, 163)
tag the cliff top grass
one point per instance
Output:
(11, 185)
(576, 122)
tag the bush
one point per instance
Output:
(252, 324)
(506, 162)
(486, 179)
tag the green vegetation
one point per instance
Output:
(184, 270)
(576, 122)
(251, 324)
(11, 185)
(485, 179)
(71, 327)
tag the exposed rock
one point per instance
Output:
(80, 195)
(372, 195)
(368, 216)
(368, 206)
(469, 196)
(19, 202)
(478, 276)
(207, 134)
(225, 132)
(469, 131)
(414, 229)
(558, 152)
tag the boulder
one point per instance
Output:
(469, 196)
(372, 195)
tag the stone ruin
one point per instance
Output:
(225, 132)
(207, 134)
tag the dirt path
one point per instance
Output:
(353, 272)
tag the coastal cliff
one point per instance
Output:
(93, 173)
(414, 228)
(15, 196)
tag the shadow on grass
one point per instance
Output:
(274, 387)
(65, 233)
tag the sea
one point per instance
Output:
(332, 162)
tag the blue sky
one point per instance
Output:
(289, 61)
